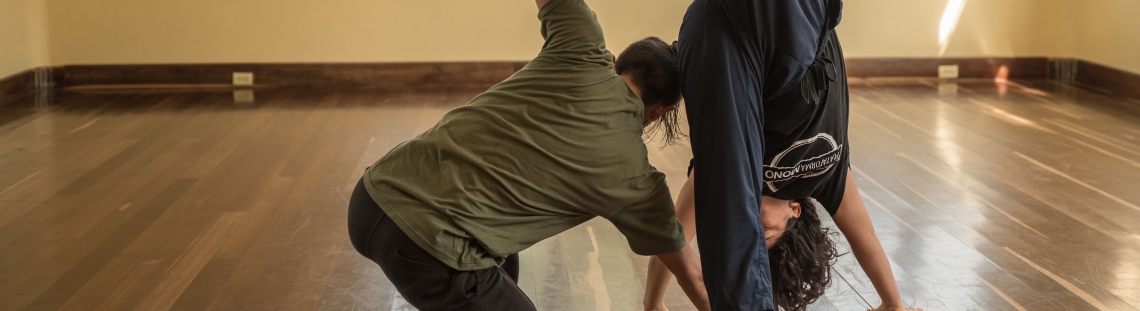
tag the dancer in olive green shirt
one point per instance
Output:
(556, 144)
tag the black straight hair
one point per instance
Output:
(652, 65)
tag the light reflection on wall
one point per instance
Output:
(949, 22)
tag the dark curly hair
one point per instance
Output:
(801, 260)
(652, 64)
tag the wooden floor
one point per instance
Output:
(986, 196)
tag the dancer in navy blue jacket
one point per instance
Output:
(766, 91)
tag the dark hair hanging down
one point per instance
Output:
(652, 63)
(801, 260)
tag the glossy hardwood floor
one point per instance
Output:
(986, 196)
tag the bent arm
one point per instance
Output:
(541, 3)
(657, 280)
(853, 220)
(685, 264)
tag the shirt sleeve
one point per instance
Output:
(572, 33)
(830, 193)
(651, 224)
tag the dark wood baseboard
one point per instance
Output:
(17, 85)
(470, 73)
(394, 75)
(480, 75)
(1017, 67)
(1107, 79)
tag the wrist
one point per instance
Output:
(892, 306)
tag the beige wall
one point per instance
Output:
(1109, 33)
(23, 36)
(985, 28)
(1101, 31)
(212, 31)
(204, 31)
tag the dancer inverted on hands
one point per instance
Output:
(766, 96)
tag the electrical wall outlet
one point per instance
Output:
(948, 72)
(243, 78)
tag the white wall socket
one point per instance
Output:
(944, 72)
(243, 78)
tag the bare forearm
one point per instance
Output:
(693, 282)
(855, 223)
(873, 260)
(656, 282)
(659, 276)
(686, 266)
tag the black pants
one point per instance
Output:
(425, 282)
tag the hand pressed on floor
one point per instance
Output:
(884, 307)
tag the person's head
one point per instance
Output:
(778, 216)
(800, 251)
(651, 66)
